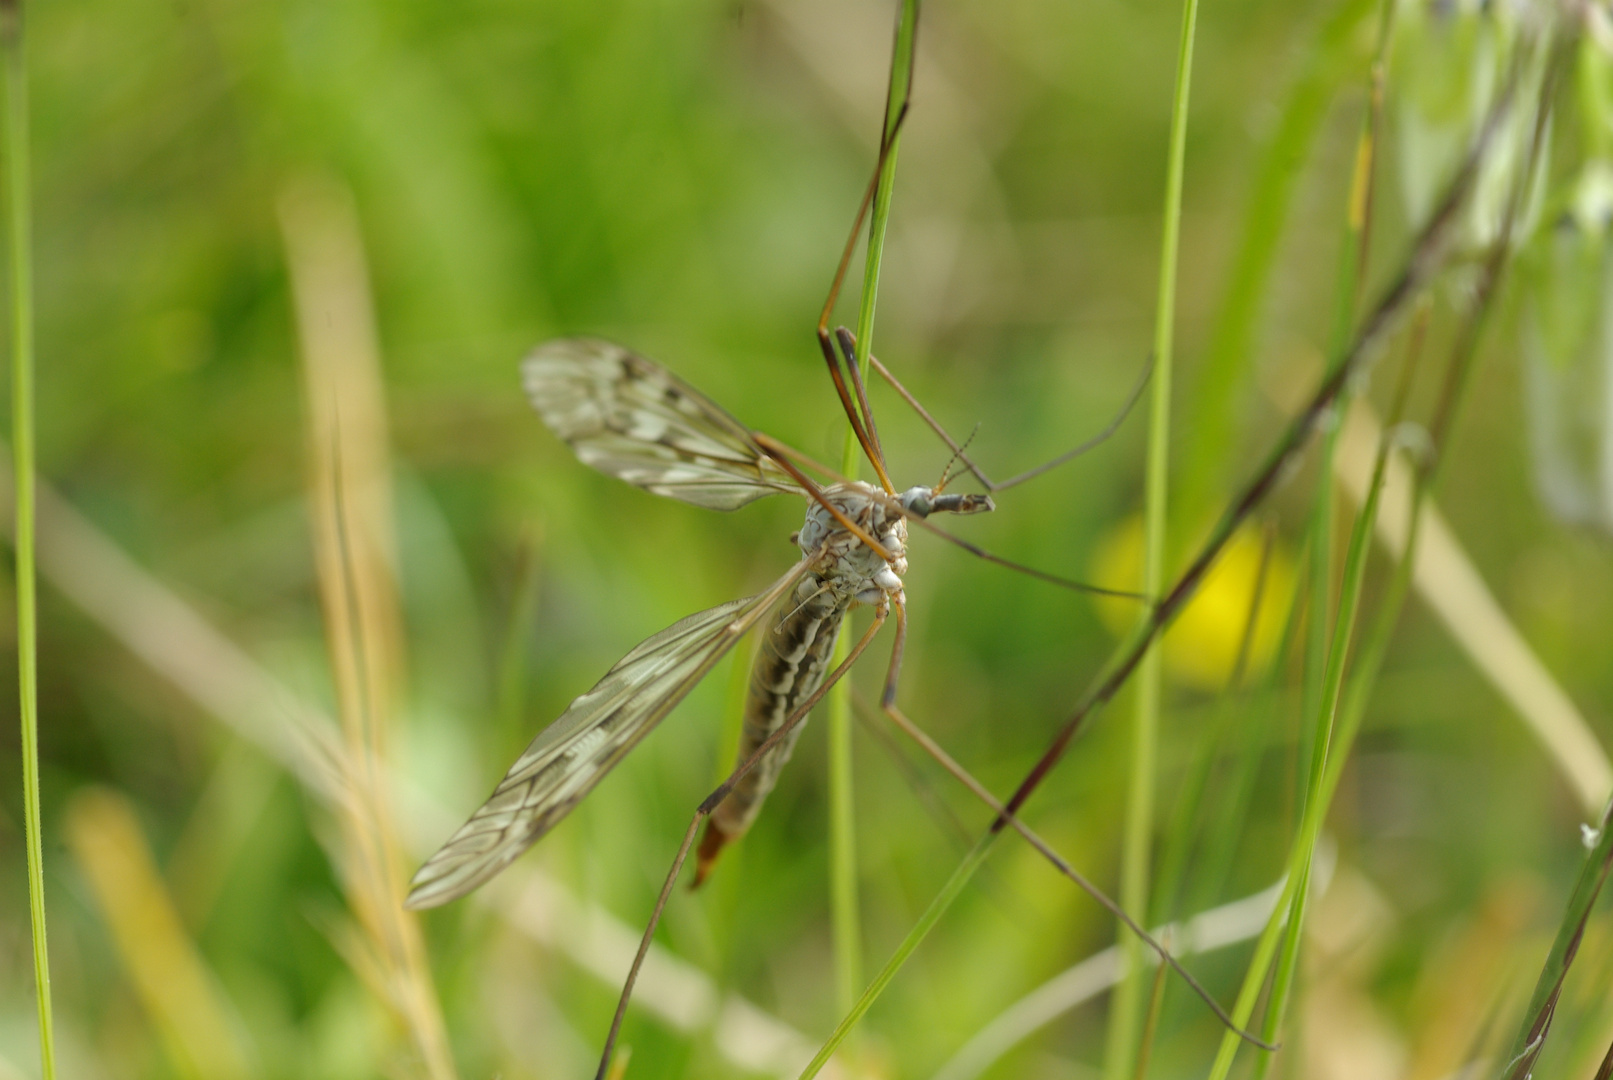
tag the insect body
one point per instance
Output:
(629, 417)
(794, 654)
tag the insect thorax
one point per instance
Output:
(848, 567)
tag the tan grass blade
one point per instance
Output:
(186, 1004)
(349, 458)
(1451, 586)
(350, 506)
(1483, 960)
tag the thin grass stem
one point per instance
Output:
(510, 702)
(932, 915)
(1276, 945)
(1328, 645)
(1331, 58)
(1226, 825)
(843, 905)
(1121, 1053)
(1375, 649)
(1190, 790)
(350, 511)
(1536, 1026)
(14, 145)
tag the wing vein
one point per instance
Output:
(573, 754)
(630, 417)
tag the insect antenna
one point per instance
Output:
(947, 474)
(1041, 575)
(1029, 474)
(786, 455)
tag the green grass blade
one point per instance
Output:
(509, 703)
(932, 915)
(901, 78)
(1331, 753)
(14, 140)
(1125, 1015)
(843, 907)
(1337, 732)
(1191, 790)
(1329, 646)
(1328, 750)
(844, 915)
(1328, 62)
(1593, 873)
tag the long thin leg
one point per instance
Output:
(848, 349)
(1029, 474)
(1040, 575)
(921, 785)
(894, 672)
(862, 425)
(824, 343)
(931, 747)
(778, 449)
(1096, 440)
(851, 410)
(704, 811)
(783, 455)
(778, 454)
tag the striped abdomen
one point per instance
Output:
(790, 664)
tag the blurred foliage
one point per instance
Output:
(680, 178)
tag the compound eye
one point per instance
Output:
(917, 501)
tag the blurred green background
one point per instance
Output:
(680, 177)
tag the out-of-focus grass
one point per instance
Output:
(15, 144)
(178, 992)
(681, 179)
(845, 905)
(1126, 1051)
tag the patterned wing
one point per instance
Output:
(575, 752)
(632, 418)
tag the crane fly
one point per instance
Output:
(633, 419)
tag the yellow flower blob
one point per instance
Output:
(1201, 646)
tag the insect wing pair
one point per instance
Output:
(633, 419)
